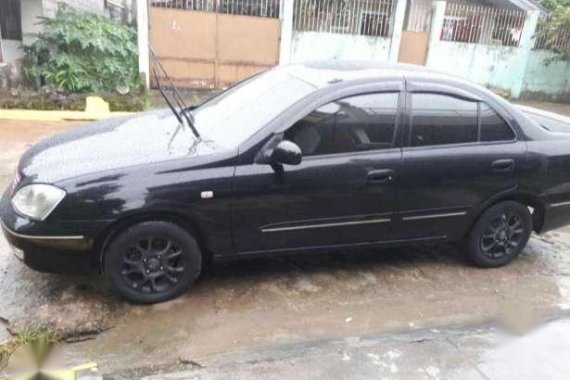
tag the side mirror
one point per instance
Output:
(287, 152)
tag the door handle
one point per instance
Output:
(503, 165)
(380, 176)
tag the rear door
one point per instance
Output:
(459, 154)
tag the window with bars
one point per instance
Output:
(482, 24)
(10, 20)
(356, 17)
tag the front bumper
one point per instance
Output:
(55, 254)
(51, 246)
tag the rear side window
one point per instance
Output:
(493, 127)
(441, 119)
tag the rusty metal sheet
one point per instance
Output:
(205, 49)
(232, 72)
(413, 47)
(247, 38)
(182, 34)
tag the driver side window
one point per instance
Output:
(353, 124)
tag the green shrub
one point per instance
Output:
(82, 52)
(555, 29)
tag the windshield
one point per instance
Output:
(233, 116)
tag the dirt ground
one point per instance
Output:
(240, 306)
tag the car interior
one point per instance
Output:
(343, 131)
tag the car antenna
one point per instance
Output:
(158, 71)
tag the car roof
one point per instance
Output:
(323, 73)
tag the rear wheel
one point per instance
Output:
(152, 262)
(500, 234)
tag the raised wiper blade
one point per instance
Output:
(161, 91)
(158, 72)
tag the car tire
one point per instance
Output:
(152, 262)
(499, 235)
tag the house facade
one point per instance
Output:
(494, 43)
(20, 18)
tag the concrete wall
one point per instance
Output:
(488, 65)
(11, 50)
(30, 11)
(309, 46)
(93, 6)
(543, 81)
(495, 66)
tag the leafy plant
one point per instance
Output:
(555, 29)
(82, 52)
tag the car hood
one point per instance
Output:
(550, 121)
(113, 143)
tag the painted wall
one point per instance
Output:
(497, 66)
(11, 50)
(309, 46)
(542, 81)
(30, 11)
(487, 65)
(93, 6)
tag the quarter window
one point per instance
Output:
(493, 127)
(442, 119)
(358, 123)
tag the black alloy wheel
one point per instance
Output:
(152, 262)
(500, 234)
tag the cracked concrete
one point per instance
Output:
(468, 353)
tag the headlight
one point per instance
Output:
(37, 201)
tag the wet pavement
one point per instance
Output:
(243, 307)
(482, 353)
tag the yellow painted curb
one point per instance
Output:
(95, 109)
(57, 115)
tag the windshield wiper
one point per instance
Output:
(184, 114)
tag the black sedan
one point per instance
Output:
(300, 158)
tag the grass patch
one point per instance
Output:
(39, 344)
(6, 350)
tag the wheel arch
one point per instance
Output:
(110, 232)
(524, 198)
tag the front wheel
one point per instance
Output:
(152, 262)
(499, 235)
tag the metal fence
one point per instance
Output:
(546, 38)
(257, 8)
(357, 17)
(419, 16)
(487, 25)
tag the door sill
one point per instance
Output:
(287, 251)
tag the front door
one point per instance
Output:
(460, 154)
(344, 190)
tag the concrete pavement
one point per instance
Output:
(484, 353)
